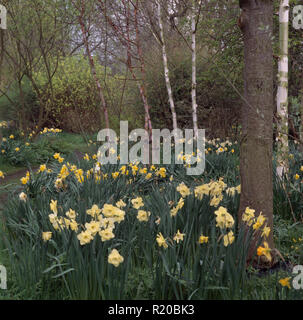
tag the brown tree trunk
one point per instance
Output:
(256, 171)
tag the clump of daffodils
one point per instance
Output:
(25, 179)
(102, 221)
(224, 219)
(174, 211)
(214, 189)
(249, 218)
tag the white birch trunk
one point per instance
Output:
(194, 77)
(166, 70)
(282, 93)
(301, 114)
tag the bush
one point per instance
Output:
(72, 100)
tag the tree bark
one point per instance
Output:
(282, 94)
(257, 112)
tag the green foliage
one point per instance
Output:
(20, 106)
(72, 99)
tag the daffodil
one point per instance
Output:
(22, 196)
(248, 216)
(93, 227)
(285, 282)
(137, 202)
(106, 234)
(53, 206)
(266, 231)
(42, 168)
(115, 258)
(260, 221)
(228, 238)
(94, 211)
(73, 225)
(223, 218)
(264, 251)
(183, 189)
(201, 190)
(161, 241)
(148, 176)
(143, 215)
(203, 239)
(120, 204)
(179, 236)
(46, 236)
(85, 237)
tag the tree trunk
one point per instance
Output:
(194, 76)
(166, 70)
(282, 101)
(256, 22)
(301, 116)
(92, 66)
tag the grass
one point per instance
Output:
(27, 222)
(66, 143)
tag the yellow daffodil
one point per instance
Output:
(120, 204)
(179, 236)
(161, 241)
(53, 206)
(265, 232)
(223, 218)
(143, 215)
(183, 189)
(203, 239)
(93, 227)
(85, 237)
(115, 258)
(285, 282)
(260, 221)
(94, 211)
(71, 214)
(46, 236)
(106, 234)
(228, 238)
(137, 202)
(264, 251)
(248, 216)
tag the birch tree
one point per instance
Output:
(194, 68)
(166, 69)
(282, 93)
